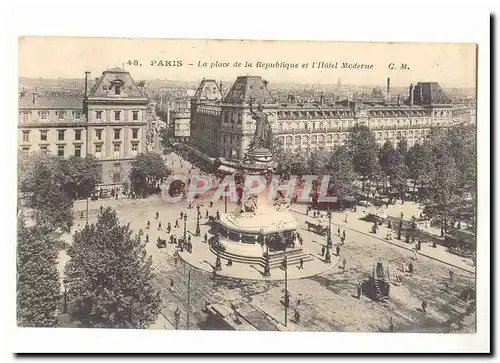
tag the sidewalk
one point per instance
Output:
(355, 224)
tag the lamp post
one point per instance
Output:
(285, 267)
(185, 222)
(226, 189)
(329, 238)
(198, 233)
(65, 298)
(267, 269)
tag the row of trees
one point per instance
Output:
(442, 167)
(108, 279)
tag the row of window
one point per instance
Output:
(78, 134)
(61, 115)
(117, 115)
(379, 135)
(78, 150)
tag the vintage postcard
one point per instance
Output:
(247, 185)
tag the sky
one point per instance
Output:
(450, 64)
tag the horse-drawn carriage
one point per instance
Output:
(161, 243)
(318, 228)
(279, 243)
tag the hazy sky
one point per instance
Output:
(452, 65)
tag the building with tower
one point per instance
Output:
(222, 127)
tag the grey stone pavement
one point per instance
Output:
(325, 301)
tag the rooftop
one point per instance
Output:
(105, 86)
(49, 102)
(247, 88)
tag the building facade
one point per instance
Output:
(180, 117)
(224, 128)
(51, 125)
(116, 113)
(109, 122)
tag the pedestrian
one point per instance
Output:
(338, 231)
(176, 223)
(296, 316)
(159, 225)
(446, 287)
(415, 255)
(410, 267)
(157, 215)
(345, 219)
(147, 238)
(424, 306)
(301, 264)
(343, 233)
(344, 261)
(342, 240)
(401, 215)
(189, 239)
(211, 204)
(338, 250)
(169, 227)
(148, 225)
(307, 210)
(206, 214)
(217, 214)
(391, 326)
(323, 250)
(205, 237)
(359, 289)
(451, 276)
(403, 266)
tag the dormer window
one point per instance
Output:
(117, 86)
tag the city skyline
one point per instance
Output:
(452, 65)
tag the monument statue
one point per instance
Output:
(262, 136)
(250, 205)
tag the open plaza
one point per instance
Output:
(323, 296)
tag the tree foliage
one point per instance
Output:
(363, 149)
(109, 276)
(341, 172)
(38, 288)
(147, 170)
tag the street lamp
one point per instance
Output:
(218, 264)
(185, 222)
(198, 233)
(285, 267)
(226, 189)
(65, 301)
(267, 269)
(329, 238)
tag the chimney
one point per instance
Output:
(35, 95)
(321, 97)
(411, 95)
(87, 74)
(220, 86)
(265, 81)
(399, 99)
(388, 85)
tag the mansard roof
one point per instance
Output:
(104, 86)
(246, 88)
(208, 90)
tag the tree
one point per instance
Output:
(419, 163)
(109, 276)
(383, 157)
(147, 171)
(341, 172)
(79, 176)
(363, 148)
(38, 288)
(398, 171)
(42, 183)
(317, 162)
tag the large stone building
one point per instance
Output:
(109, 122)
(222, 127)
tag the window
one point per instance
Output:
(25, 116)
(43, 135)
(134, 149)
(26, 136)
(98, 149)
(117, 134)
(43, 150)
(116, 150)
(60, 115)
(60, 135)
(60, 150)
(78, 135)
(98, 134)
(43, 115)
(77, 114)
(78, 150)
(135, 115)
(135, 133)
(98, 115)
(25, 152)
(118, 88)
(117, 115)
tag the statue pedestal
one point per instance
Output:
(258, 161)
